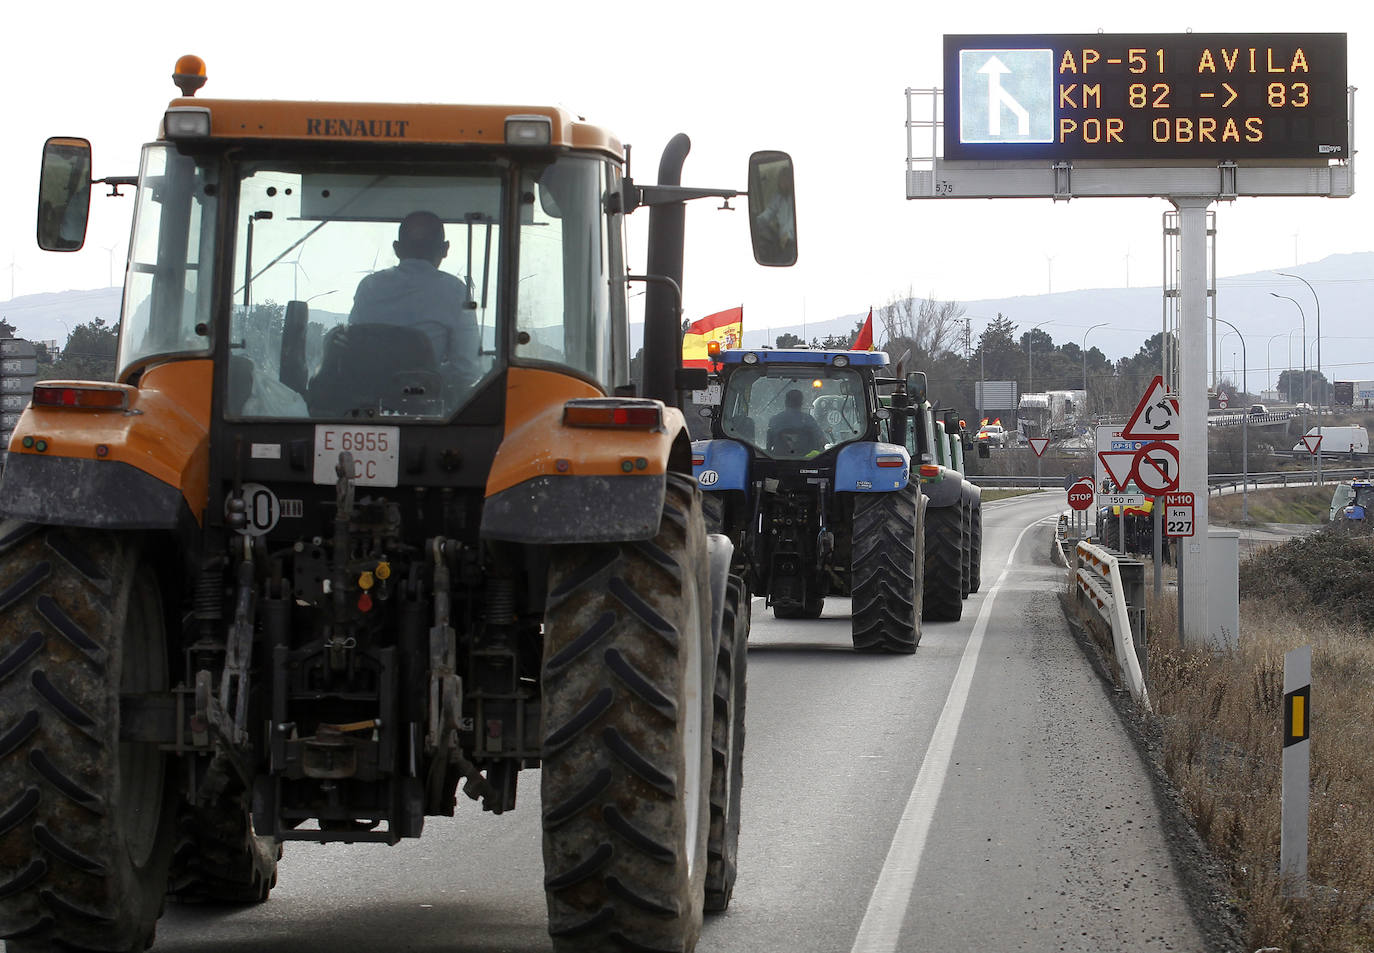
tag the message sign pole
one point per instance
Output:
(1192, 381)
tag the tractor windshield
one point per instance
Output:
(354, 290)
(360, 292)
(363, 292)
(794, 412)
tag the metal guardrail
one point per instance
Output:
(1100, 583)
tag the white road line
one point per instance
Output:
(882, 922)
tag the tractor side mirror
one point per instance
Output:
(64, 194)
(772, 209)
(916, 387)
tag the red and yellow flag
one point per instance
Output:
(725, 327)
(863, 341)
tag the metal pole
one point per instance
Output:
(1319, 363)
(1305, 387)
(1193, 356)
(1158, 537)
(1084, 350)
(1244, 426)
(1269, 361)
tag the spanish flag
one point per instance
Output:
(725, 327)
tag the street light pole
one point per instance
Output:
(1268, 361)
(1030, 356)
(1319, 362)
(1304, 359)
(1084, 350)
(1244, 428)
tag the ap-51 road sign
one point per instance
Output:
(1134, 96)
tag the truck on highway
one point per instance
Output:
(320, 559)
(1335, 440)
(1054, 414)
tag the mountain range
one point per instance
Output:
(1342, 283)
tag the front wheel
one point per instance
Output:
(85, 817)
(628, 677)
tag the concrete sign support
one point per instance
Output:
(1297, 724)
(1192, 380)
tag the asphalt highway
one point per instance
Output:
(981, 795)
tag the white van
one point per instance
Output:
(1338, 440)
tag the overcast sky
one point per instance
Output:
(824, 82)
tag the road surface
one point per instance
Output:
(980, 795)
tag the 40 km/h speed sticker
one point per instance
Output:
(263, 512)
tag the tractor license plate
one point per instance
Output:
(375, 452)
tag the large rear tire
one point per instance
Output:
(965, 550)
(944, 598)
(727, 746)
(976, 551)
(85, 818)
(885, 571)
(628, 677)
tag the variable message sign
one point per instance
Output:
(1184, 96)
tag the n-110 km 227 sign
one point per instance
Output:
(1193, 96)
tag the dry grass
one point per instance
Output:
(1300, 504)
(1220, 717)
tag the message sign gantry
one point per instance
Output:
(1191, 96)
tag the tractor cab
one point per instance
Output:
(792, 405)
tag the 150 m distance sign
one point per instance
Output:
(1196, 96)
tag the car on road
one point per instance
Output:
(994, 435)
(1258, 410)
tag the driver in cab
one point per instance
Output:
(794, 431)
(415, 293)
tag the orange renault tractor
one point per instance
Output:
(372, 513)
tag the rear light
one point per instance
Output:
(600, 412)
(86, 397)
(890, 460)
(698, 459)
(929, 471)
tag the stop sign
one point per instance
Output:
(1081, 494)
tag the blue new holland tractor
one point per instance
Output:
(808, 472)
